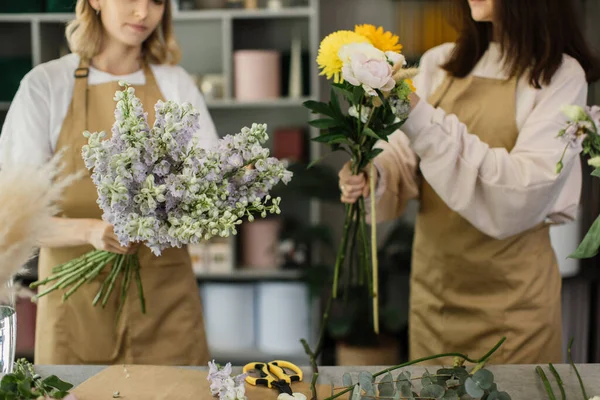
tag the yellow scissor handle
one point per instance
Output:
(265, 378)
(276, 367)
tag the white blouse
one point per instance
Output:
(36, 114)
(499, 192)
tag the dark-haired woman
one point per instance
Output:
(479, 151)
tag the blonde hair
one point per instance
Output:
(84, 36)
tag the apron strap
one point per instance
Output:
(80, 98)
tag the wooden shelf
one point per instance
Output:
(275, 103)
(196, 15)
(251, 275)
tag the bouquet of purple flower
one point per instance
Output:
(158, 187)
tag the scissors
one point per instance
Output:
(273, 375)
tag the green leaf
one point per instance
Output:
(319, 107)
(388, 130)
(386, 386)
(473, 388)
(54, 382)
(373, 153)
(357, 94)
(335, 105)
(369, 132)
(343, 89)
(591, 242)
(331, 138)
(596, 173)
(450, 395)
(484, 378)
(324, 123)
(433, 391)
(366, 380)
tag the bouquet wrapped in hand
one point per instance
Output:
(372, 77)
(157, 187)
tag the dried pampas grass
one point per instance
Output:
(29, 197)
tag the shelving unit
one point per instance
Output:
(208, 40)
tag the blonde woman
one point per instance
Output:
(111, 40)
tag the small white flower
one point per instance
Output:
(364, 113)
(595, 162)
(396, 58)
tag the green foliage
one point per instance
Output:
(24, 384)
(445, 384)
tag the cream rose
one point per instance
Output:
(368, 67)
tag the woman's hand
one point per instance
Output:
(101, 235)
(354, 186)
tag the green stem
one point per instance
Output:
(92, 255)
(374, 250)
(558, 380)
(128, 269)
(113, 278)
(66, 272)
(73, 289)
(585, 396)
(351, 262)
(138, 281)
(364, 239)
(314, 355)
(113, 271)
(463, 356)
(341, 256)
(542, 375)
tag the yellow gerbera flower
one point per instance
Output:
(384, 41)
(328, 59)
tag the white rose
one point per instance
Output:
(368, 50)
(369, 73)
(574, 112)
(595, 162)
(364, 113)
(395, 58)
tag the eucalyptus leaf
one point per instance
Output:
(473, 388)
(369, 394)
(443, 375)
(366, 380)
(426, 380)
(347, 380)
(591, 242)
(405, 389)
(450, 394)
(433, 391)
(498, 396)
(484, 378)
(356, 394)
(386, 386)
(319, 108)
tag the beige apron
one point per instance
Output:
(468, 289)
(74, 332)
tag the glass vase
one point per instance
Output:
(8, 328)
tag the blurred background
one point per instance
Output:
(263, 290)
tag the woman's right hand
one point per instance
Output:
(101, 235)
(353, 186)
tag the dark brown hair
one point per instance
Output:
(533, 35)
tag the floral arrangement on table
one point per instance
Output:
(24, 384)
(582, 129)
(158, 187)
(367, 69)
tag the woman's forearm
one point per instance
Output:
(66, 232)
